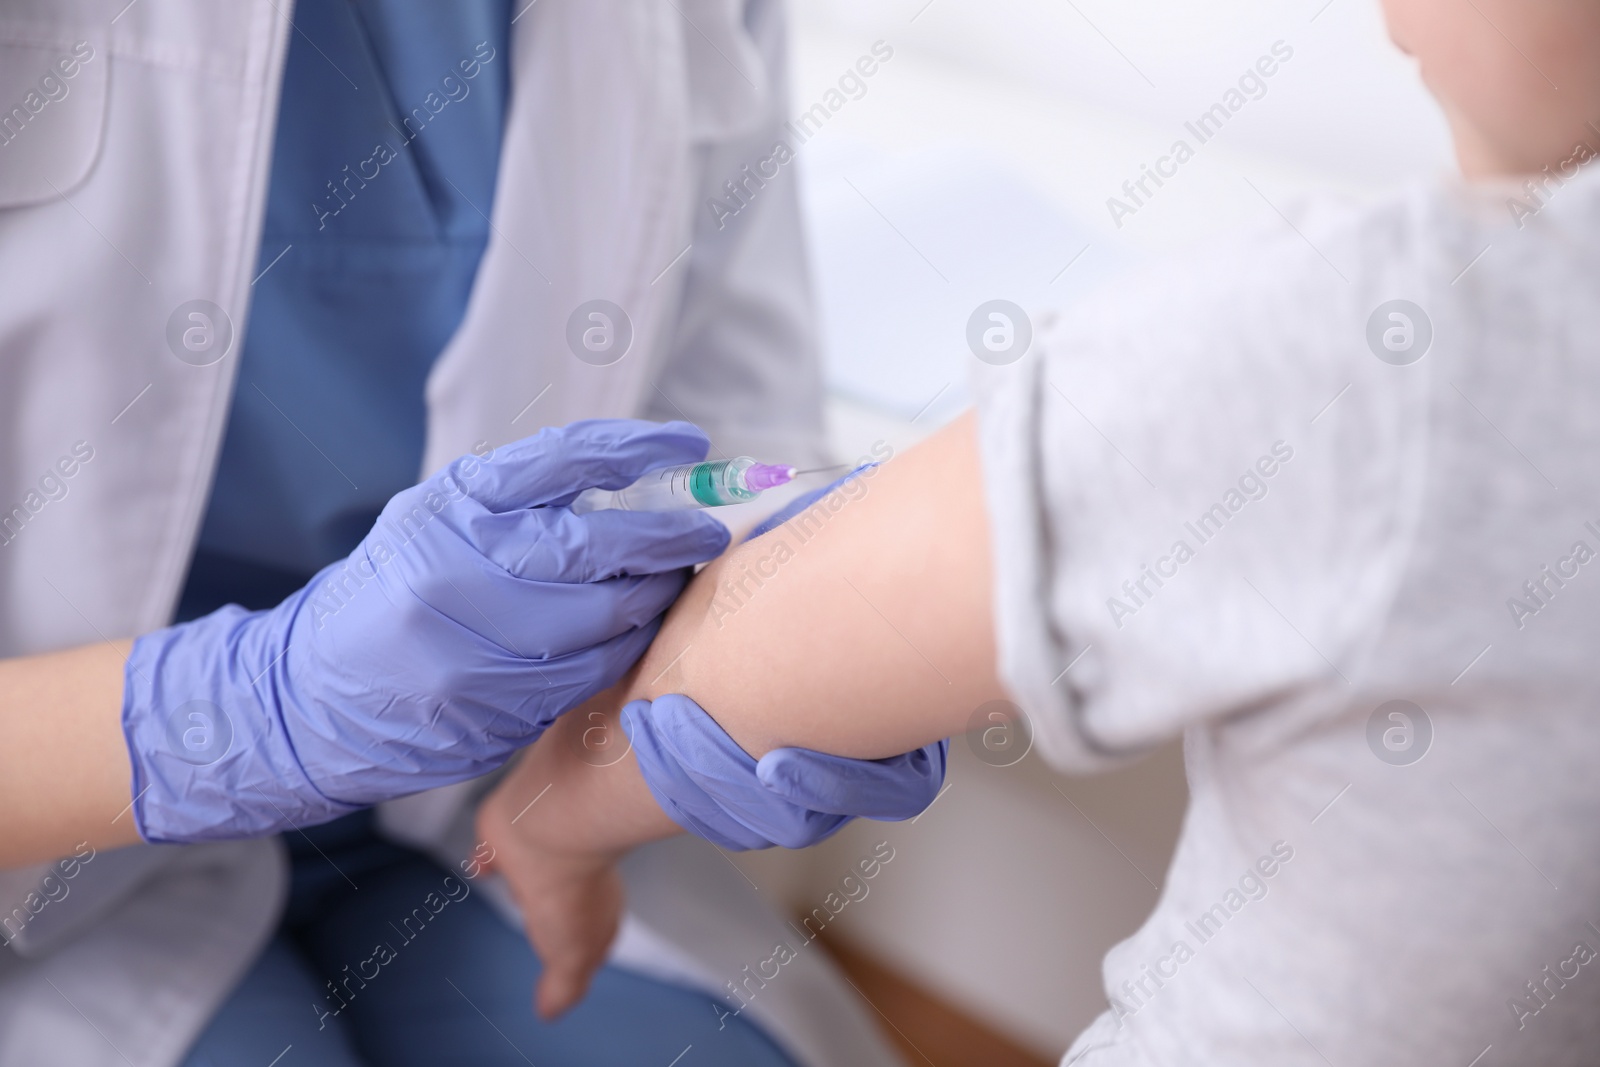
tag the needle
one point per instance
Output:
(824, 470)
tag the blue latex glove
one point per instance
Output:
(476, 611)
(793, 797)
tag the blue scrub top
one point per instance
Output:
(383, 175)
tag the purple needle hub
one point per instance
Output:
(764, 476)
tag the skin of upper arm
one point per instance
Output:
(862, 627)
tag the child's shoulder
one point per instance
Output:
(1295, 291)
(1307, 253)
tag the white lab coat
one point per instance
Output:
(135, 184)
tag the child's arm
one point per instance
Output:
(870, 633)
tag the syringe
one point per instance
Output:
(711, 484)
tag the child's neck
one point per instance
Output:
(1481, 159)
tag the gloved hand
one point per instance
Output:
(793, 797)
(476, 611)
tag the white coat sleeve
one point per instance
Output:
(742, 361)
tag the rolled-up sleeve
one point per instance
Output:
(1180, 534)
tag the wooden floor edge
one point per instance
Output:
(928, 1031)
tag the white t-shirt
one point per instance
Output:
(1218, 512)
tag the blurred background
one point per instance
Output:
(976, 165)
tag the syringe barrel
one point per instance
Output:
(710, 484)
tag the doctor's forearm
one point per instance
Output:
(64, 769)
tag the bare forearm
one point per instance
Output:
(870, 634)
(65, 766)
(580, 785)
(554, 828)
(862, 627)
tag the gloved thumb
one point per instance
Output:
(559, 462)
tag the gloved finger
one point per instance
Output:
(665, 762)
(554, 545)
(599, 667)
(516, 615)
(801, 503)
(556, 686)
(894, 789)
(559, 462)
(527, 617)
(707, 784)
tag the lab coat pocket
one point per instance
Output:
(53, 86)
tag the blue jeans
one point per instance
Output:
(385, 959)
